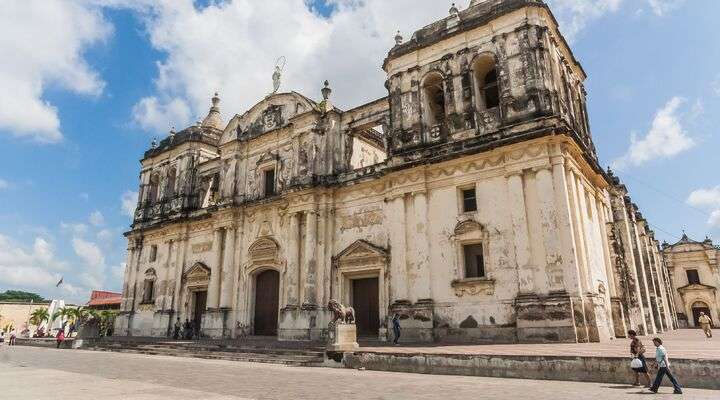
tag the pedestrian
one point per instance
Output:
(2, 337)
(396, 328)
(663, 361)
(705, 324)
(13, 336)
(187, 330)
(637, 349)
(60, 337)
(176, 329)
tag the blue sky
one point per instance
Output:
(96, 80)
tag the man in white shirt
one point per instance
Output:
(706, 324)
(663, 361)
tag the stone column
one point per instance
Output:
(420, 286)
(293, 267)
(548, 222)
(213, 296)
(310, 261)
(322, 259)
(642, 276)
(518, 213)
(227, 287)
(127, 283)
(398, 245)
(570, 275)
(179, 269)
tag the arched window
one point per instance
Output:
(171, 180)
(153, 188)
(486, 83)
(149, 286)
(434, 98)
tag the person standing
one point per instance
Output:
(176, 331)
(705, 324)
(60, 337)
(13, 335)
(396, 328)
(663, 361)
(637, 349)
(2, 337)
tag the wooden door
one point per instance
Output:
(200, 304)
(365, 296)
(267, 303)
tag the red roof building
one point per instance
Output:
(102, 300)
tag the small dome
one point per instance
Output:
(213, 119)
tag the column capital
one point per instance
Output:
(515, 172)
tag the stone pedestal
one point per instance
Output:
(549, 319)
(345, 338)
(303, 323)
(161, 320)
(212, 324)
(416, 320)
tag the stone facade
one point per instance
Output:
(469, 201)
(695, 271)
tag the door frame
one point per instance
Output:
(361, 260)
(252, 293)
(351, 295)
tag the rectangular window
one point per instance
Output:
(153, 253)
(270, 182)
(474, 262)
(469, 200)
(693, 277)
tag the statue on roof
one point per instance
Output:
(277, 75)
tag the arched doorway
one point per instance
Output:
(697, 308)
(267, 303)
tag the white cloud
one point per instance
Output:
(105, 235)
(4, 184)
(33, 267)
(153, 116)
(709, 199)
(128, 202)
(574, 15)
(96, 218)
(716, 86)
(666, 137)
(662, 7)
(89, 252)
(42, 43)
(74, 228)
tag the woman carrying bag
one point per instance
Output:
(638, 363)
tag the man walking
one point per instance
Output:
(663, 361)
(705, 324)
(396, 328)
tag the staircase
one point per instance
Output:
(261, 350)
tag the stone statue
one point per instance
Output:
(346, 315)
(277, 75)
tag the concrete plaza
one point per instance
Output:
(31, 373)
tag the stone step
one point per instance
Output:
(310, 359)
(227, 349)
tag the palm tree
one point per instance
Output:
(107, 318)
(76, 316)
(38, 316)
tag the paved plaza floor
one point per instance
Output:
(683, 343)
(31, 373)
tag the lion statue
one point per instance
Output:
(345, 315)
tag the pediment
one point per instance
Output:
(273, 112)
(361, 249)
(694, 287)
(467, 226)
(264, 249)
(197, 272)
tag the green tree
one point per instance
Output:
(19, 295)
(39, 315)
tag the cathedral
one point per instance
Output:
(469, 201)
